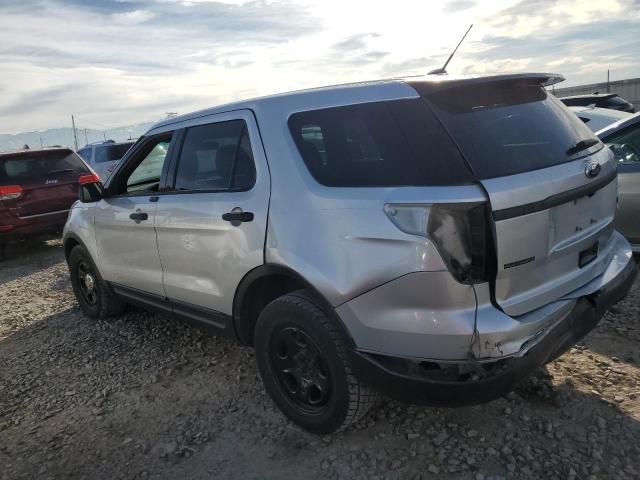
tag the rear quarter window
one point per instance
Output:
(392, 143)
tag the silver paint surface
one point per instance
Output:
(391, 289)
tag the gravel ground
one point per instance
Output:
(143, 396)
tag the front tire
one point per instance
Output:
(303, 358)
(93, 294)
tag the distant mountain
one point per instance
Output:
(64, 136)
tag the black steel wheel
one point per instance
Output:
(93, 294)
(301, 368)
(303, 356)
(87, 282)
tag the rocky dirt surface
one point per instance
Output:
(143, 396)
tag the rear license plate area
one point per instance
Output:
(588, 255)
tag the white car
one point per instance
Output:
(598, 118)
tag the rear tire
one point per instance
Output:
(93, 294)
(303, 358)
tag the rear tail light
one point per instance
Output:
(88, 178)
(459, 232)
(10, 192)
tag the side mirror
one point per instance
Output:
(90, 189)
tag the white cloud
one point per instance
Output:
(118, 62)
(132, 18)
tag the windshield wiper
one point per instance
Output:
(582, 145)
(61, 170)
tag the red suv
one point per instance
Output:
(37, 188)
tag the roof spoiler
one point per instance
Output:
(431, 84)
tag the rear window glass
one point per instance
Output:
(508, 127)
(613, 102)
(39, 166)
(576, 102)
(85, 154)
(394, 143)
(110, 153)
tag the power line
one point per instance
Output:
(84, 120)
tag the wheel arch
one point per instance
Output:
(261, 286)
(70, 241)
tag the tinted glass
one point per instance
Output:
(85, 153)
(110, 153)
(146, 176)
(504, 128)
(576, 102)
(37, 167)
(395, 143)
(245, 172)
(613, 102)
(216, 156)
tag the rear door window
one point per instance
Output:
(216, 156)
(393, 143)
(508, 127)
(40, 167)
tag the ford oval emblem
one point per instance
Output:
(592, 169)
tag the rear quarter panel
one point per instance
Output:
(80, 228)
(339, 239)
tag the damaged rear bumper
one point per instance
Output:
(472, 382)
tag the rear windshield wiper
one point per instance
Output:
(582, 145)
(61, 170)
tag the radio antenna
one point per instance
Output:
(443, 69)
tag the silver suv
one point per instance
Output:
(434, 239)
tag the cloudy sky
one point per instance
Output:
(119, 62)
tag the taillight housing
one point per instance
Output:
(458, 230)
(88, 178)
(10, 192)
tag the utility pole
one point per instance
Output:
(41, 145)
(104, 134)
(608, 85)
(75, 135)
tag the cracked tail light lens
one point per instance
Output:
(10, 192)
(459, 232)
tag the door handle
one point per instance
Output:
(237, 216)
(139, 216)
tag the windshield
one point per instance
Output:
(507, 127)
(37, 167)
